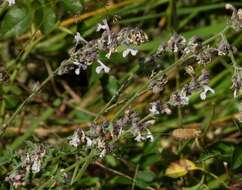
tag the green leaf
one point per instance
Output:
(150, 160)
(15, 22)
(112, 85)
(45, 17)
(89, 181)
(237, 159)
(111, 160)
(146, 176)
(11, 101)
(72, 5)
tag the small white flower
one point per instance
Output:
(78, 38)
(88, 142)
(103, 153)
(239, 13)
(228, 6)
(11, 2)
(153, 109)
(75, 139)
(139, 138)
(103, 26)
(36, 166)
(102, 68)
(80, 67)
(130, 51)
(185, 100)
(149, 136)
(206, 89)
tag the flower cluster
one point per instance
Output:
(16, 179)
(236, 18)
(157, 108)
(201, 83)
(88, 53)
(157, 85)
(103, 136)
(237, 82)
(30, 162)
(202, 54)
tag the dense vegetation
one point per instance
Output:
(118, 94)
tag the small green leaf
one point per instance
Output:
(15, 22)
(45, 17)
(11, 101)
(237, 159)
(146, 176)
(111, 161)
(72, 5)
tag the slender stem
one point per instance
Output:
(135, 175)
(115, 96)
(87, 161)
(21, 106)
(179, 111)
(214, 176)
(146, 85)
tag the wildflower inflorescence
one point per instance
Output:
(200, 53)
(88, 53)
(31, 161)
(104, 136)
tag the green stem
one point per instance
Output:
(21, 106)
(146, 85)
(87, 162)
(214, 176)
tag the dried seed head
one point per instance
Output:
(189, 70)
(157, 86)
(236, 18)
(116, 19)
(117, 128)
(185, 134)
(224, 48)
(4, 77)
(194, 45)
(240, 113)
(206, 56)
(132, 36)
(165, 109)
(236, 82)
(179, 98)
(176, 43)
(189, 88)
(203, 79)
